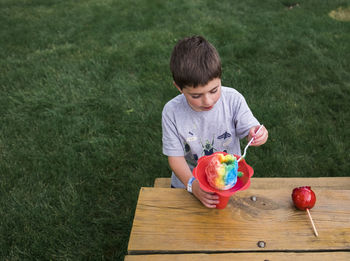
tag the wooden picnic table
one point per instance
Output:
(260, 223)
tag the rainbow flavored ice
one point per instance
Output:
(222, 171)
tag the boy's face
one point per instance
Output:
(203, 98)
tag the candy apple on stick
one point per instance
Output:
(304, 199)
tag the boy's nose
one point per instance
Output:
(206, 100)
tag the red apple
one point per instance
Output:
(303, 197)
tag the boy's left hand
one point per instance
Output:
(260, 138)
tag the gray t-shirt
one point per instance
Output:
(194, 134)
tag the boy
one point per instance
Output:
(206, 117)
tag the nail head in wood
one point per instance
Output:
(261, 244)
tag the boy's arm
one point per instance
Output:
(179, 165)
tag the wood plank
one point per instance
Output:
(162, 183)
(279, 183)
(174, 221)
(281, 256)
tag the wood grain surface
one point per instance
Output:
(338, 256)
(283, 183)
(174, 221)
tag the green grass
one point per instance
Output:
(82, 86)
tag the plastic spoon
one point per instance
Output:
(246, 147)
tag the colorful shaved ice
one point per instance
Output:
(222, 171)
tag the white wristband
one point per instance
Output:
(189, 184)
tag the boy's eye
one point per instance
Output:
(214, 91)
(195, 96)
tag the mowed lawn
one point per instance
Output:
(83, 84)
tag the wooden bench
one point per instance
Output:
(279, 183)
(338, 256)
(171, 224)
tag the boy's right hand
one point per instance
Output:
(209, 199)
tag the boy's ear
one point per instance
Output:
(177, 87)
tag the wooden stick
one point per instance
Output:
(312, 222)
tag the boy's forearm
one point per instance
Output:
(179, 165)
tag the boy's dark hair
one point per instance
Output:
(194, 61)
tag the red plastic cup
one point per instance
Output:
(222, 202)
(224, 195)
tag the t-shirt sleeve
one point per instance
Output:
(244, 118)
(172, 145)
